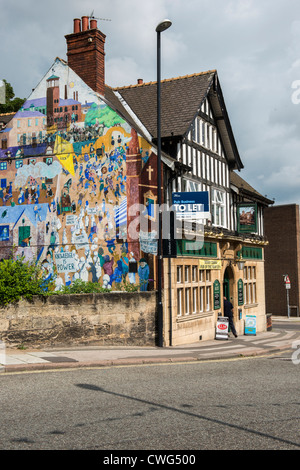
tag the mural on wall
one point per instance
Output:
(64, 190)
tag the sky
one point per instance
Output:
(253, 44)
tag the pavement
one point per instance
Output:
(281, 338)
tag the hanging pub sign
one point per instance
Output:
(217, 295)
(247, 218)
(240, 287)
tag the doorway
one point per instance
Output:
(228, 283)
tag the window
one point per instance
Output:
(3, 165)
(187, 300)
(19, 164)
(203, 133)
(179, 302)
(195, 300)
(4, 232)
(4, 144)
(208, 298)
(194, 291)
(214, 138)
(24, 236)
(218, 207)
(208, 136)
(250, 297)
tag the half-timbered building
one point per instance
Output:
(203, 156)
(85, 175)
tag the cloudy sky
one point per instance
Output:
(253, 44)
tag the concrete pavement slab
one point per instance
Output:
(101, 356)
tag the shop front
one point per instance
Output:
(195, 287)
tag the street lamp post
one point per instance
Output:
(165, 24)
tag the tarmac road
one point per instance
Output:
(285, 336)
(235, 404)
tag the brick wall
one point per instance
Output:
(281, 256)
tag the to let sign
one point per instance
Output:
(192, 206)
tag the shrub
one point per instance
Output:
(19, 279)
(81, 287)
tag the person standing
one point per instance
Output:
(228, 312)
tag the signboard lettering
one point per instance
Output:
(217, 292)
(65, 262)
(191, 205)
(210, 264)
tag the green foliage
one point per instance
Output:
(82, 287)
(19, 279)
(12, 104)
(104, 115)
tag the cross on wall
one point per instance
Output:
(149, 170)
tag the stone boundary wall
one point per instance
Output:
(114, 318)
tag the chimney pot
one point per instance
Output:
(93, 24)
(77, 25)
(140, 81)
(85, 23)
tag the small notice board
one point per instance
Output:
(250, 325)
(222, 328)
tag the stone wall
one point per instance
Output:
(115, 318)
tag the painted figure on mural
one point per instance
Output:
(72, 184)
(143, 272)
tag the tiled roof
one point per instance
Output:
(37, 103)
(180, 101)
(6, 117)
(114, 102)
(28, 114)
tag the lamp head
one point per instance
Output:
(163, 25)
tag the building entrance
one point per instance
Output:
(228, 283)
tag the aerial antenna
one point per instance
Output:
(95, 18)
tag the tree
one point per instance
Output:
(12, 104)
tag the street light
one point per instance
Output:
(162, 26)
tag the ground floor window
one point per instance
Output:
(194, 290)
(250, 295)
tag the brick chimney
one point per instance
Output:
(85, 52)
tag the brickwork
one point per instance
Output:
(281, 257)
(85, 52)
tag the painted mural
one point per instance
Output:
(64, 185)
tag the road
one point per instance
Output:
(241, 404)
